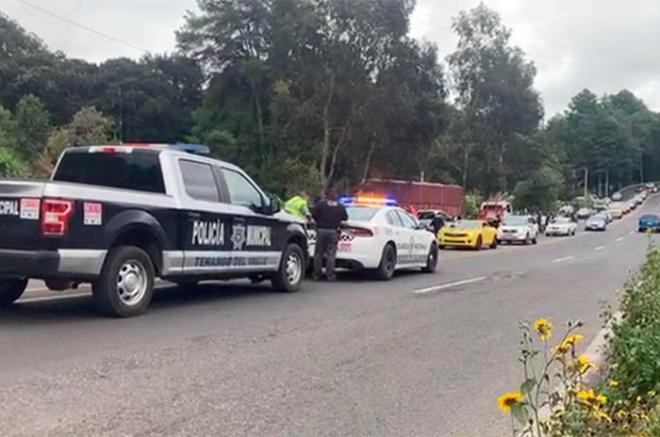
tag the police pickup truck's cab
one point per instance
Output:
(120, 216)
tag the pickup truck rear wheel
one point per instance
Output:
(11, 290)
(290, 274)
(126, 284)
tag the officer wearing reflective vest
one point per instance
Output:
(298, 205)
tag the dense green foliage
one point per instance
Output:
(634, 359)
(308, 93)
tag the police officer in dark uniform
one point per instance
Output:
(328, 215)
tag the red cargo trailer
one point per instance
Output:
(421, 195)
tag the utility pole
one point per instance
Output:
(586, 182)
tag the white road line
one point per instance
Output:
(599, 248)
(449, 285)
(566, 258)
(620, 238)
(49, 298)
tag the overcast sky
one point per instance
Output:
(603, 45)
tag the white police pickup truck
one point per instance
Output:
(120, 216)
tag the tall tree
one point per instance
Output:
(494, 87)
(334, 84)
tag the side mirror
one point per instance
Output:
(272, 205)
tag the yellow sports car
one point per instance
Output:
(476, 234)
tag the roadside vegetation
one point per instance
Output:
(307, 93)
(565, 394)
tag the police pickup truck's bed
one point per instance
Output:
(119, 216)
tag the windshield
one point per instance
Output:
(361, 213)
(649, 217)
(515, 220)
(468, 224)
(561, 220)
(426, 215)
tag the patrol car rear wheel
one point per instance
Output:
(292, 269)
(431, 260)
(126, 284)
(11, 290)
(387, 265)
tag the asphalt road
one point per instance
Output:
(420, 355)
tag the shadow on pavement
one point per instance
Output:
(169, 297)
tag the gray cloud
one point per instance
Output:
(148, 24)
(603, 45)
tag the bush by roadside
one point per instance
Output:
(557, 398)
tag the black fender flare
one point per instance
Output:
(136, 219)
(296, 232)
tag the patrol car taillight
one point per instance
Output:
(55, 216)
(359, 232)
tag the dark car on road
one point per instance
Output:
(649, 222)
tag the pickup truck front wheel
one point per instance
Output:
(11, 290)
(291, 271)
(126, 284)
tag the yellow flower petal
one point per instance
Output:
(543, 328)
(508, 400)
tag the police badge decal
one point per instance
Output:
(238, 236)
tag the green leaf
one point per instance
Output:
(527, 386)
(520, 413)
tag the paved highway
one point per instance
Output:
(420, 355)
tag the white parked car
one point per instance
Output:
(617, 197)
(383, 239)
(616, 211)
(583, 213)
(561, 226)
(518, 228)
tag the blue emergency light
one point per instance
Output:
(197, 149)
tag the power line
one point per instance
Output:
(82, 26)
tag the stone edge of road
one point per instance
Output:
(595, 352)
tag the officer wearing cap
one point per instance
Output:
(328, 214)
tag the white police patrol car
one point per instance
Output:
(381, 237)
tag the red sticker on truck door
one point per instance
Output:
(93, 214)
(30, 209)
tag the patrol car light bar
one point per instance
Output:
(368, 201)
(197, 149)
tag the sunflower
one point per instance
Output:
(583, 363)
(586, 396)
(568, 342)
(508, 400)
(543, 328)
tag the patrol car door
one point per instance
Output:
(214, 233)
(411, 251)
(260, 238)
(396, 232)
